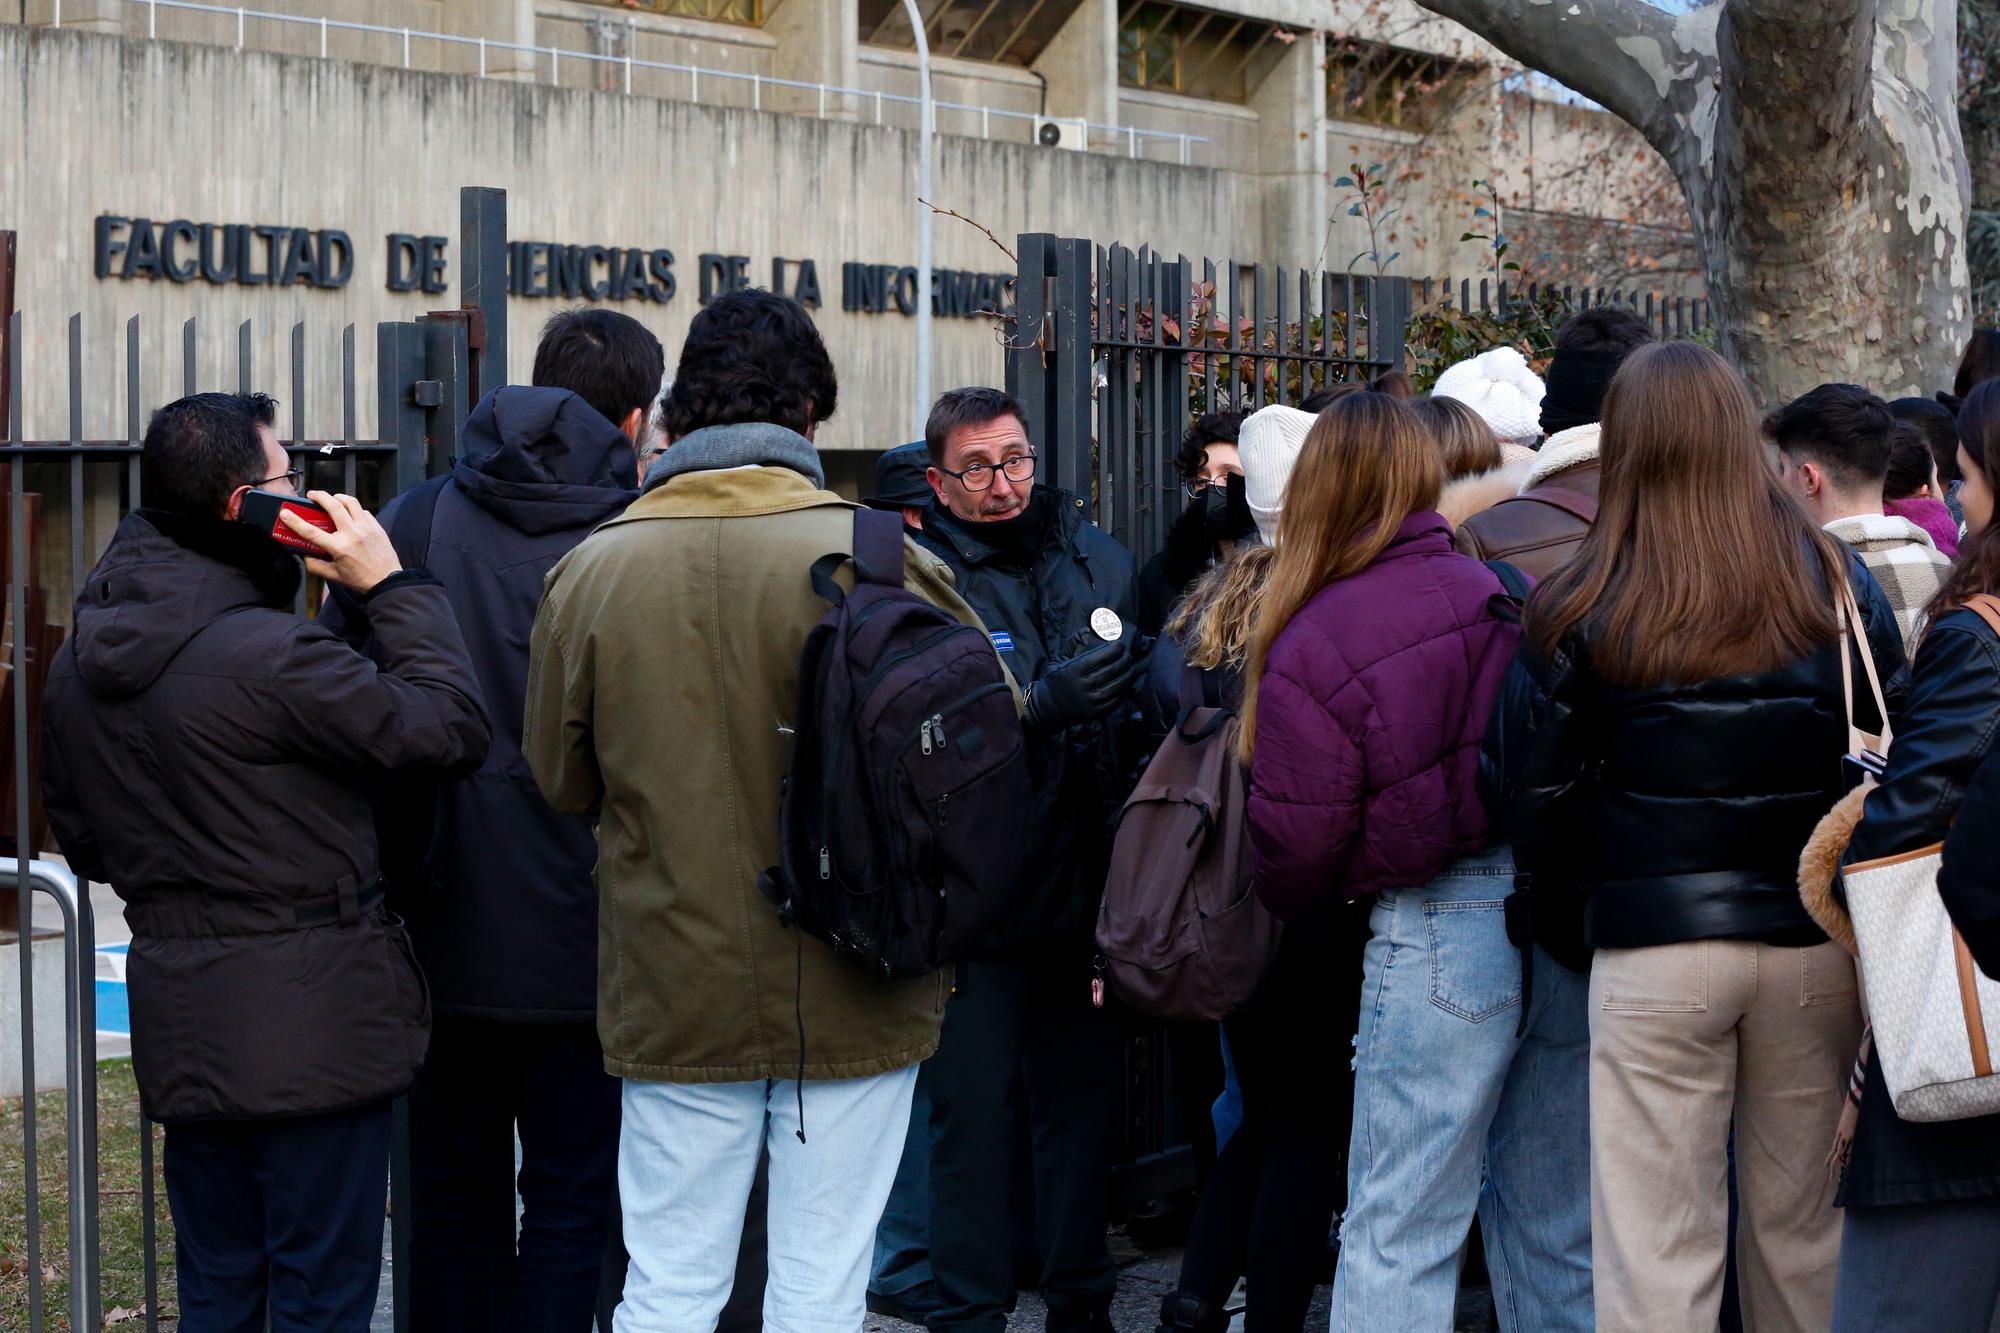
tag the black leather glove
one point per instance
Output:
(1082, 688)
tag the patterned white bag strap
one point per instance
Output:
(1853, 636)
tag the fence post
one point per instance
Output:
(482, 243)
(1027, 364)
(399, 366)
(1073, 306)
(447, 359)
(10, 418)
(1389, 325)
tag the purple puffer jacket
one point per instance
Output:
(1369, 719)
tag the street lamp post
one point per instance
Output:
(927, 129)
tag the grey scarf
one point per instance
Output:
(749, 444)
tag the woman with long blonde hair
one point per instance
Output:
(1376, 659)
(1685, 735)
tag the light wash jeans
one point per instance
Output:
(1444, 1087)
(687, 1153)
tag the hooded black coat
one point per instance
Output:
(506, 923)
(211, 756)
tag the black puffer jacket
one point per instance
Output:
(506, 927)
(1678, 812)
(1036, 601)
(1946, 732)
(210, 755)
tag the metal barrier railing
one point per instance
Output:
(1131, 135)
(79, 1072)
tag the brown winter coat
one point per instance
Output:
(661, 683)
(1539, 529)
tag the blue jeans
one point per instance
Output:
(1444, 1087)
(903, 1241)
(1228, 1110)
(687, 1153)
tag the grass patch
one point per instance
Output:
(121, 1221)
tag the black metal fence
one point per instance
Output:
(428, 371)
(1114, 352)
(1670, 316)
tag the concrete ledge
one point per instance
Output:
(50, 1039)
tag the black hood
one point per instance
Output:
(164, 578)
(544, 460)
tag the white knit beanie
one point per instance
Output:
(1498, 386)
(1269, 443)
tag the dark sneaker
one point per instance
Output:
(909, 1306)
(1096, 1322)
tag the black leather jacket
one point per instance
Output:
(1676, 812)
(1038, 610)
(1946, 733)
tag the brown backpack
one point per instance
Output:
(1180, 934)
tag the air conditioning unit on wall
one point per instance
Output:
(1062, 132)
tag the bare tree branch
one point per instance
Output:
(977, 226)
(1623, 54)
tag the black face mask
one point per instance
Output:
(1226, 511)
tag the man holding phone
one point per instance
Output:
(210, 755)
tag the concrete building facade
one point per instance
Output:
(164, 162)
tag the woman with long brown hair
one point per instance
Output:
(1920, 1246)
(1376, 658)
(1686, 733)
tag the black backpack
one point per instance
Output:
(898, 827)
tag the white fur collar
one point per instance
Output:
(1562, 451)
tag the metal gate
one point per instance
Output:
(1114, 352)
(428, 371)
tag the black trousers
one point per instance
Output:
(1022, 1042)
(1269, 1203)
(482, 1083)
(279, 1219)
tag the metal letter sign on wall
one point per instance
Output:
(251, 255)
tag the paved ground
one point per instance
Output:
(1141, 1284)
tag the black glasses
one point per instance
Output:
(293, 475)
(979, 477)
(1198, 486)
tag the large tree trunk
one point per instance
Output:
(1817, 145)
(1979, 122)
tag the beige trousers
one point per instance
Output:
(1683, 1037)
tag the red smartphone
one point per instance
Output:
(261, 509)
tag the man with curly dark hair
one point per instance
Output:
(705, 999)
